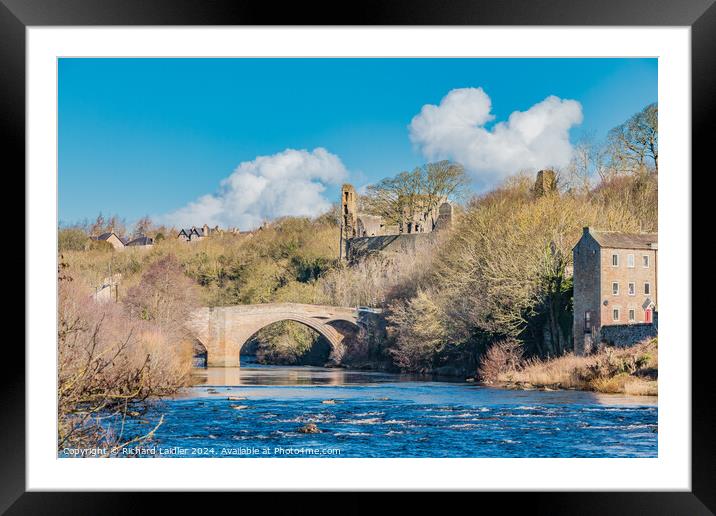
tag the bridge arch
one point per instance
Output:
(225, 330)
(326, 331)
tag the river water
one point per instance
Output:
(257, 411)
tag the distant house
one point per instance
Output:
(190, 234)
(112, 238)
(615, 294)
(141, 241)
(194, 234)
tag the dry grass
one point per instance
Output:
(627, 371)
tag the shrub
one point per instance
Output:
(164, 294)
(109, 364)
(72, 239)
(501, 359)
(629, 370)
(419, 332)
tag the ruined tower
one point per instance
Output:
(348, 216)
(444, 220)
(545, 184)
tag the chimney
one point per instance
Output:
(585, 230)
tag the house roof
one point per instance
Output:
(619, 240)
(105, 236)
(141, 240)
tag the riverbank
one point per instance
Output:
(632, 371)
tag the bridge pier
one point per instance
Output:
(220, 351)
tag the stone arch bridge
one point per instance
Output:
(224, 330)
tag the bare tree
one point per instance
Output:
(634, 145)
(410, 195)
(98, 226)
(116, 225)
(143, 226)
(441, 181)
(395, 198)
(164, 294)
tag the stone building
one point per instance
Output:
(362, 233)
(194, 234)
(107, 290)
(189, 234)
(356, 224)
(111, 238)
(141, 242)
(615, 289)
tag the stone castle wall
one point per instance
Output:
(358, 248)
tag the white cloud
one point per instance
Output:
(532, 139)
(291, 182)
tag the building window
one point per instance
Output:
(647, 288)
(632, 315)
(615, 288)
(615, 260)
(615, 314)
(630, 261)
(631, 288)
(587, 321)
(645, 261)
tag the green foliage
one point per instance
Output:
(259, 267)
(100, 245)
(287, 342)
(419, 332)
(72, 239)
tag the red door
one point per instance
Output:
(647, 315)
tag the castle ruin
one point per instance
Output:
(362, 232)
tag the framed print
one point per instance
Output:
(432, 250)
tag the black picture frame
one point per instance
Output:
(700, 15)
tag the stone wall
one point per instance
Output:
(359, 248)
(369, 225)
(623, 335)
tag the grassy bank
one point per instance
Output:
(631, 370)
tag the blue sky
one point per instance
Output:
(158, 136)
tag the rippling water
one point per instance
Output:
(257, 411)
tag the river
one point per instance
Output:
(257, 411)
